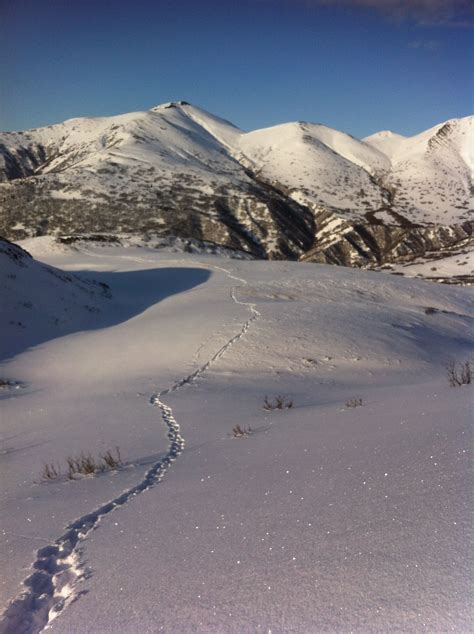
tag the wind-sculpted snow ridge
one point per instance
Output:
(58, 568)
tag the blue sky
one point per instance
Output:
(356, 65)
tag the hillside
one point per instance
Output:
(431, 173)
(349, 511)
(40, 302)
(293, 191)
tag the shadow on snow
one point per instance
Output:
(132, 293)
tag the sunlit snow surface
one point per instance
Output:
(325, 518)
(428, 177)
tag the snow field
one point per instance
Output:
(324, 518)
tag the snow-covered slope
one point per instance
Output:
(163, 136)
(325, 518)
(290, 191)
(40, 302)
(431, 173)
(318, 165)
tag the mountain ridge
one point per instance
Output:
(297, 190)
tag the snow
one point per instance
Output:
(322, 163)
(400, 148)
(460, 263)
(386, 141)
(324, 518)
(434, 169)
(428, 176)
(66, 195)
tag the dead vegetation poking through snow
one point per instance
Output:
(279, 402)
(354, 402)
(7, 384)
(240, 432)
(51, 471)
(84, 464)
(459, 373)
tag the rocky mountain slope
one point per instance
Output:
(296, 191)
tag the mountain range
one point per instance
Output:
(293, 191)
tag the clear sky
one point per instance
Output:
(356, 65)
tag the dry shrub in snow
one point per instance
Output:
(51, 471)
(279, 402)
(6, 384)
(459, 373)
(354, 402)
(112, 461)
(239, 432)
(84, 464)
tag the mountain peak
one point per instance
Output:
(170, 104)
(385, 134)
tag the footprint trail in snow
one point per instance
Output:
(58, 568)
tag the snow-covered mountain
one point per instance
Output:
(297, 191)
(431, 173)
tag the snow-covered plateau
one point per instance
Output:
(348, 511)
(294, 191)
